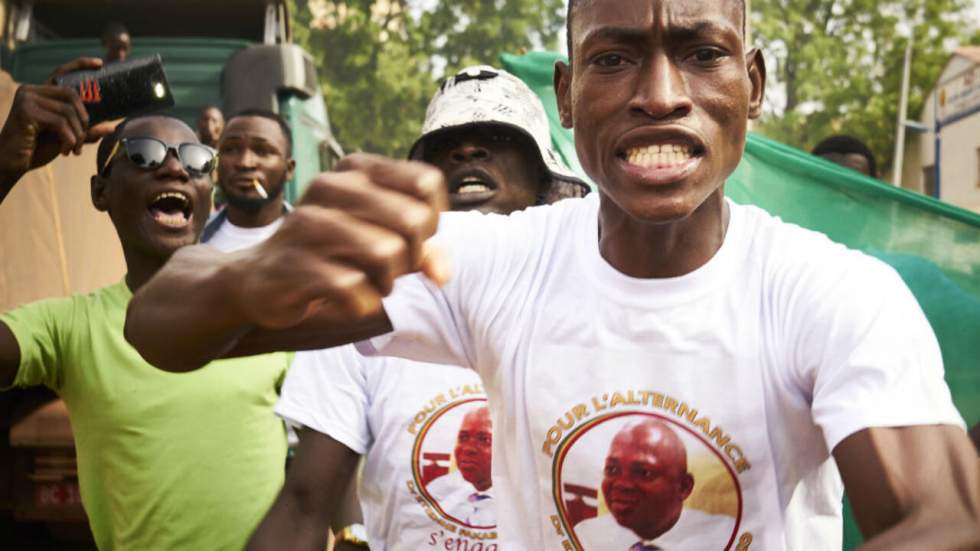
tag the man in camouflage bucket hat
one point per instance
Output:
(489, 134)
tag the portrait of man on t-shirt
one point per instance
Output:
(645, 484)
(645, 479)
(465, 493)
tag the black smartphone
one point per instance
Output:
(117, 90)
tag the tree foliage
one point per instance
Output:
(379, 61)
(835, 66)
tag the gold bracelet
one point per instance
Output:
(354, 534)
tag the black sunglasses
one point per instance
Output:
(150, 153)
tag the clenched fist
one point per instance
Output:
(354, 232)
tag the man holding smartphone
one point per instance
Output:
(163, 462)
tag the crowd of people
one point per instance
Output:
(648, 367)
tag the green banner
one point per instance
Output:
(934, 246)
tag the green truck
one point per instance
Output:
(236, 54)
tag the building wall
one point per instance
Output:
(960, 154)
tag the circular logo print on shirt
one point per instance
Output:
(451, 464)
(638, 481)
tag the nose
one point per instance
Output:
(661, 92)
(623, 484)
(468, 152)
(246, 159)
(172, 167)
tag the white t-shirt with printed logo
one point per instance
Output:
(758, 363)
(405, 417)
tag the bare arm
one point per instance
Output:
(191, 302)
(9, 356)
(913, 488)
(317, 282)
(348, 513)
(315, 486)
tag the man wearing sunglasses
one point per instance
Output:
(254, 163)
(164, 462)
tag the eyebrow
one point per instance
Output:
(674, 32)
(259, 140)
(256, 138)
(702, 28)
(614, 34)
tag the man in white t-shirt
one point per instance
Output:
(255, 163)
(791, 366)
(254, 151)
(425, 429)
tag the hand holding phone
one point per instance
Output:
(45, 121)
(121, 89)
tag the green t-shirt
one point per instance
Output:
(165, 461)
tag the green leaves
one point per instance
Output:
(380, 61)
(835, 66)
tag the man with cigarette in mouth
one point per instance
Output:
(254, 163)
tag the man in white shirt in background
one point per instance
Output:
(489, 135)
(254, 164)
(255, 161)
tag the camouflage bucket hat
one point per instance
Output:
(485, 95)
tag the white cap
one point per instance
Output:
(485, 95)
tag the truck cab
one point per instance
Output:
(235, 54)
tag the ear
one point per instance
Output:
(756, 66)
(563, 87)
(687, 485)
(290, 168)
(100, 200)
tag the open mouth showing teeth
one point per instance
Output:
(472, 185)
(661, 155)
(171, 209)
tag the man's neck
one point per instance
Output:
(266, 215)
(643, 250)
(140, 268)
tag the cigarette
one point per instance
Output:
(259, 189)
